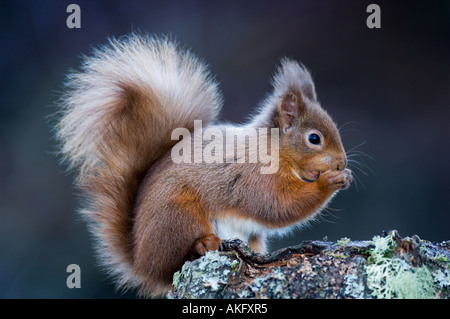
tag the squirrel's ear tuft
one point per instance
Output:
(293, 92)
(293, 77)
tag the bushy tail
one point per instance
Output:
(117, 116)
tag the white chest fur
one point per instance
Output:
(245, 229)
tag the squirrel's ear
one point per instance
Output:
(294, 84)
(289, 110)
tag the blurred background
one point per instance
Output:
(389, 87)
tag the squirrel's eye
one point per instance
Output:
(314, 139)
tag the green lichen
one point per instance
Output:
(384, 247)
(176, 279)
(442, 278)
(235, 267)
(343, 242)
(442, 259)
(389, 276)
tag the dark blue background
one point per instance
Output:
(391, 85)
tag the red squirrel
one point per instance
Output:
(150, 213)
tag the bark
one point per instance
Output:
(387, 266)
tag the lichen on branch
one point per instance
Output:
(387, 266)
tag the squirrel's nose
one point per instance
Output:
(342, 163)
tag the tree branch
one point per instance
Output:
(387, 266)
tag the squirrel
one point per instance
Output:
(150, 214)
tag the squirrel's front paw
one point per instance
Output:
(334, 180)
(207, 243)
